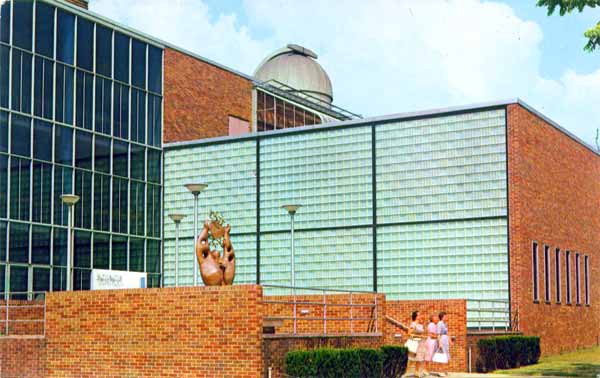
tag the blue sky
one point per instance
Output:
(391, 56)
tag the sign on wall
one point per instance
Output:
(117, 279)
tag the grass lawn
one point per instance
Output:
(582, 363)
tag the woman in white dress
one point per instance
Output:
(416, 332)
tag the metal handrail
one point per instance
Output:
(9, 304)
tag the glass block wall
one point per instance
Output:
(424, 200)
(80, 112)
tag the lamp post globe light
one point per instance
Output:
(70, 200)
(195, 189)
(176, 218)
(291, 209)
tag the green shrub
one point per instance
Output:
(301, 363)
(507, 352)
(395, 359)
(371, 363)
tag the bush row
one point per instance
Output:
(507, 352)
(386, 362)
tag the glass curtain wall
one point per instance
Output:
(80, 112)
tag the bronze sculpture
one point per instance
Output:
(215, 269)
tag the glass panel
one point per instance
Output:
(154, 165)
(4, 75)
(65, 37)
(83, 149)
(59, 255)
(121, 57)
(136, 220)
(153, 256)
(83, 208)
(40, 245)
(44, 29)
(63, 110)
(3, 241)
(101, 251)
(59, 279)
(138, 161)
(84, 98)
(42, 192)
(3, 186)
(18, 247)
(101, 202)
(136, 255)
(153, 280)
(41, 279)
(154, 69)
(63, 184)
(5, 32)
(21, 81)
(120, 158)
(2, 279)
(154, 120)
(42, 140)
(23, 23)
(18, 282)
(82, 251)
(81, 279)
(138, 65)
(3, 131)
(121, 111)
(103, 102)
(119, 205)
(19, 188)
(43, 87)
(153, 211)
(21, 135)
(119, 253)
(85, 45)
(102, 154)
(63, 145)
(103, 51)
(138, 118)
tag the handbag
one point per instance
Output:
(412, 345)
(440, 357)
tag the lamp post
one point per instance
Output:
(70, 200)
(177, 219)
(291, 209)
(195, 189)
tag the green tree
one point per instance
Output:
(568, 6)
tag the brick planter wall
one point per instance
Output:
(22, 357)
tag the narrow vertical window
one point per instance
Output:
(534, 261)
(577, 280)
(557, 272)
(586, 277)
(568, 275)
(547, 273)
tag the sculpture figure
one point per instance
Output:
(215, 269)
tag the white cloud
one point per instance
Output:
(385, 56)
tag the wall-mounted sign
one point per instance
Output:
(117, 279)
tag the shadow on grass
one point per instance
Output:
(573, 370)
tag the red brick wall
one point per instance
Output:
(554, 199)
(24, 317)
(22, 357)
(169, 332)
(80, 3)
(200, 97)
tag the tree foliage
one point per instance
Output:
(568, 6)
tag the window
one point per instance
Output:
(22, 24)
(154, 165)
(154, 69)
(120, 158)
(63, 184)
(547, 274)
(21, 81)
(138, 64)
(65, 37)
(42, 192)
(43, 88)
(5, 27)
(136, 221)
(136, 255)
(19, 188)
(103, 51)
(82, 251)
(83, 208)
(18, 247)
(568, 275)
(138, 161)
(83, 149)
(121, 111)
(557, 272)
(3, 234)
(3, 187)
(534, 260)
(84, 97)
(85, 45)
(3, 131)
(122, 57)
(154, 120)
(81, 279)
(40, 245)
(586, 277)
(101, 202)
(59, 279)
(42, 138)
(102, 154)
(119, 205)
(577, 280)
(18, 281)
(63, 145)
(41, 280)
(153, 201)
(4, 75)
(138, 119)
(119, 253)
(101, 251)
(59, 245)
(20, 136)
(63, 111)
(44, 29)
(153, 256)
(103, 103)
